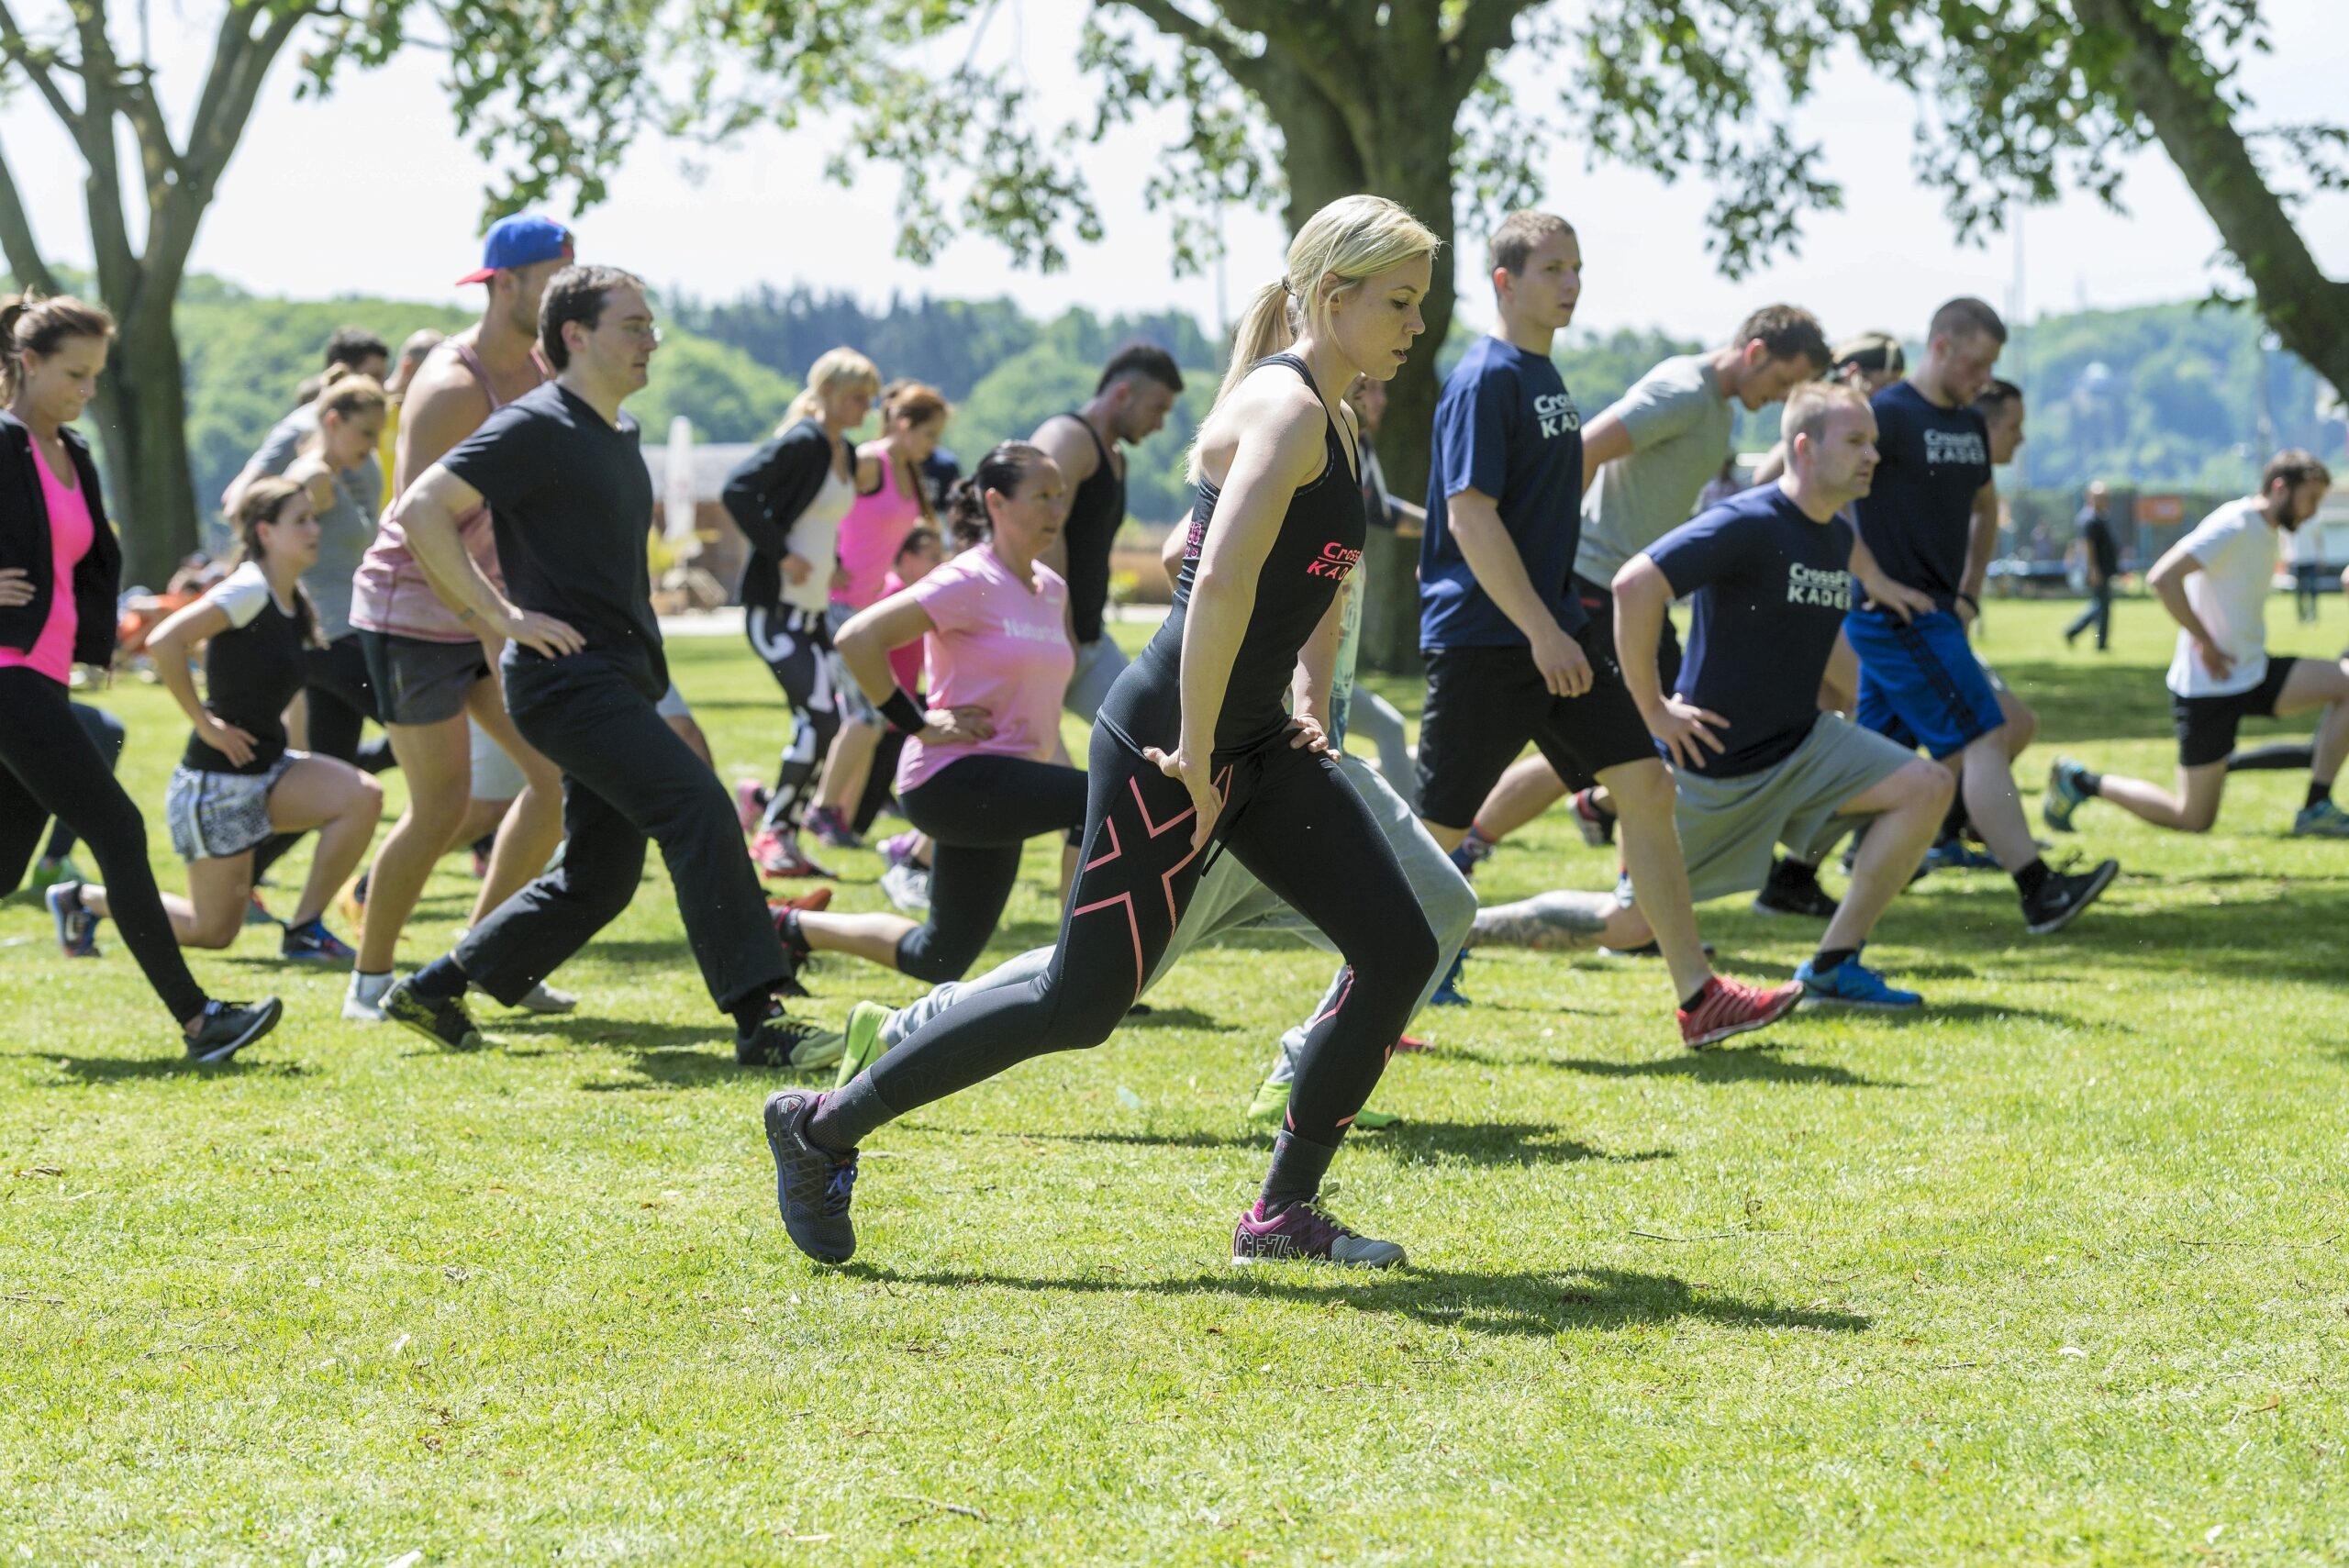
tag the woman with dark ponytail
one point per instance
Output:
(60, 573)
(983, 770)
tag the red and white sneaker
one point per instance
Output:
(749, 804)
(1597, 827)
(1307, 1232)
(1409, 1042)
(815, 901)
(1731, 1007)
(778, 856)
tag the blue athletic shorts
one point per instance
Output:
(1919, 682)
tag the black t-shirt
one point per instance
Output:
(2103, 548)
(1096, 513)
(251, 671)
(570, 500)
(1771, 589)
(1919, 516)
(1318, 546)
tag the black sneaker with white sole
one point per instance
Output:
(1793, 889)
(782, 1041)
(2064, 895)
(228, 1027)
(443, 1021)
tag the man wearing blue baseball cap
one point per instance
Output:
(430, 670)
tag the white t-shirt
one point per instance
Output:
(815, 538)
(2237, 547)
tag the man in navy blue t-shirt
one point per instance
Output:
(1760, 765)
(1508, 659)
(1931, 521)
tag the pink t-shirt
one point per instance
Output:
(1000, 644)
(70, 535)
(905, 663)
(870, 536)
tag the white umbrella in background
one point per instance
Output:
(677, 489)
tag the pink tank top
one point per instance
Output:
(70, 535)
(389, 593)
(869, 535)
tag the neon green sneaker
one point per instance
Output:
(863, 1041)
(1270, 1104)
(47, 874)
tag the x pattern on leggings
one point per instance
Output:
(1166, 882)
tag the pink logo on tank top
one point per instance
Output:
(1335, 562)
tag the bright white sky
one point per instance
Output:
(372, 192)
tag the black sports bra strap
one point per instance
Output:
(1346, 452)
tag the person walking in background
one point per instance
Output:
(61, 569)
(2305, 549)
(2100, 559)
(892, 500)
(1130, 404)
(788, 498)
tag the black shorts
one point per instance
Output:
(1598, 604)
(2206, 726)
(1485, 703)
(418, 681)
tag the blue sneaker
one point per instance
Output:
(1471, 852)
(1852, 984)
(1957, 854)
(2064, 795)
(2322, 820)
(312, 943)
(1448, 994)
(77, 928)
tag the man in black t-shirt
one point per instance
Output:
(2102, 559)
(1130, 404)
(570, 501)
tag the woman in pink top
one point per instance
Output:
(984, 769)
(60, 570)
(892, 501)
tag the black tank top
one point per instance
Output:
(1318, 545)
(251, 672)
(1095, 515)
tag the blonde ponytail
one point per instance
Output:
(1353, 239)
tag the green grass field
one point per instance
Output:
(2051, 1274)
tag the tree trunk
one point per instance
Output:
(142, 411)
(2308, 311)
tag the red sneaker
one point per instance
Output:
(778, 856)
(1597, 827)
(1410, 1042)
(1731, 1007)
(815, 901)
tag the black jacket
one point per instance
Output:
(25, 542)
(765, 496)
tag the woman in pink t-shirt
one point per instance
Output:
(892, 501)
(983, 770)
(60, 570)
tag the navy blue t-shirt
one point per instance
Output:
(1931, 462)
(1507, 426)
(1771, 589)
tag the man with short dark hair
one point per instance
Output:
(1511, 653)
(2215, 584)
(1129, 404)
(2100, 558)
(1643, 462)
(360, 349)
(571, 502)
(1932, 522)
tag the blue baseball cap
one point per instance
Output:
(518, 241)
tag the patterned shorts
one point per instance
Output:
(216, 815)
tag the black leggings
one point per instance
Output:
(49, 768)
(979, 811)
(340, 700)
(106, 733)
(1296, 823)
(797, 648)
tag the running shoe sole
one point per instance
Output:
(2099, 880)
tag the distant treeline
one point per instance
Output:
(2164, 396)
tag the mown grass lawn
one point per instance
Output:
(2053, 1274)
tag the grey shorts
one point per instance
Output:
(495, 776)
(1099, 665)
(847, 696)
(214, 816)
(1729, 826)
(417, 682)
(672, 704)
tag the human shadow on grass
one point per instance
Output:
(1433, 1143)
(1751, 1064)
(123, 1069)
(1505, 1303)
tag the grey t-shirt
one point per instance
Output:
(1679, 421)
(345, 530)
